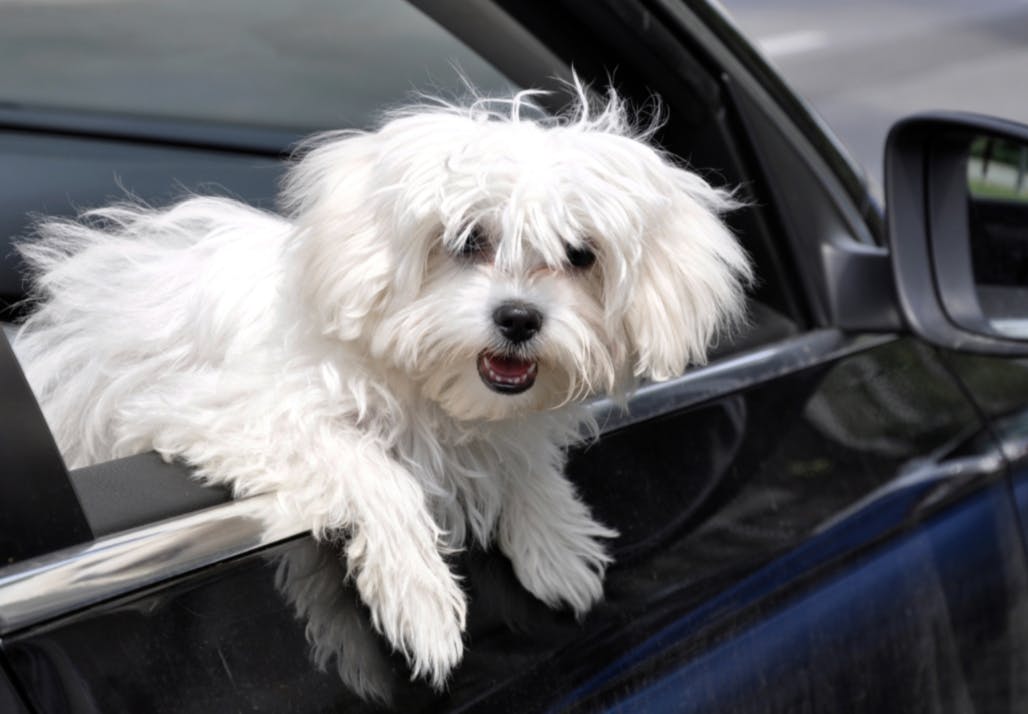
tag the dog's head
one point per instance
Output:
(508, 264)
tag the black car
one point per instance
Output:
(826, 518)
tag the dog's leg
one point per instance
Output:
(393, 550)
(552, 540)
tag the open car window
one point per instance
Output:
(59, 171)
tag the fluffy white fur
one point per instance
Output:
(330, 355)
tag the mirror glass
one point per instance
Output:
(997, 182)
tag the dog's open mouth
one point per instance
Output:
(507, 375)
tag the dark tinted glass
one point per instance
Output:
(307, 64)
(997, 183)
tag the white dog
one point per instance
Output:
(400, 357)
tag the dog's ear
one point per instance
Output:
(342, 261)
(690, 280)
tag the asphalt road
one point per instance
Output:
(863, 65)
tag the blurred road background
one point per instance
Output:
(862, 65)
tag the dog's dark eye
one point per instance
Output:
(475, 246)
(581, 257)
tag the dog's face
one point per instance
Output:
(508, 265)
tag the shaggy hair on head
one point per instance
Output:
(400, 357)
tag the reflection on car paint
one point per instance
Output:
(911, 613)
(730, 512)
(1000, 388)
(312, 579)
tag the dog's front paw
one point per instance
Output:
(562, 564)
(421, 610)
(431, 630)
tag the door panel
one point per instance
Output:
(999, 386)
(934, 621)
(822, 535)
(10, 701)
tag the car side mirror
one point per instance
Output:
(957, 200)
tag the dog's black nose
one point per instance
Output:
(517, 321)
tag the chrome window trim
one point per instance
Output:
(41, 589)
(731, 374)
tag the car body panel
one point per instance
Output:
(10, 700)
(902, 630)
(999, 387)
(743, 516)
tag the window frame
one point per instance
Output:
(35, 591)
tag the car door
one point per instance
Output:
(819, 520)
(830, 539)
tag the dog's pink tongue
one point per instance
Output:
(510, 367)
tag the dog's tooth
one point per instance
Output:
(505, 379)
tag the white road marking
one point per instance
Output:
(792, 43)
